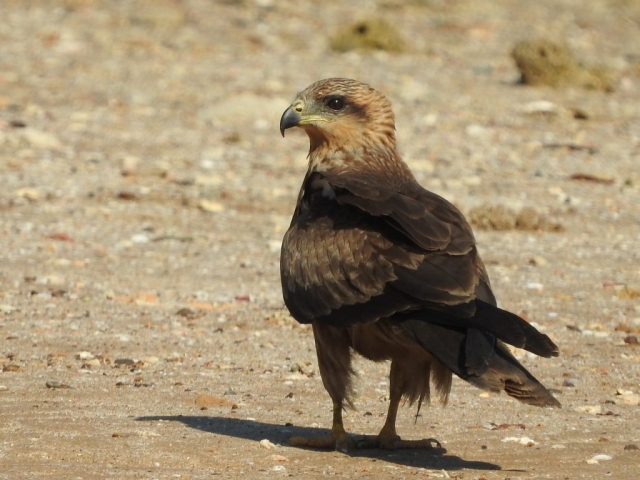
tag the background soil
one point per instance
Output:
(146, 189)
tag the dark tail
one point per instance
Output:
(473, 349)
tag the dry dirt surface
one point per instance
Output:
(145, 190)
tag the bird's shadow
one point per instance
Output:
(434, 458)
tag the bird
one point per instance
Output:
(383, 268)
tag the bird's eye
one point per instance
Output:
(335, 103)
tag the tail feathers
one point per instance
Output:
(504, 325)
(477, 357)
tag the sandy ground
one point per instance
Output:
(145, 190)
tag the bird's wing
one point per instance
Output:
(370, 252)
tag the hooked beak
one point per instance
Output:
(290, 118)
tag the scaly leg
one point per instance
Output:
(338, 440)
(333, 346)
(388, 438)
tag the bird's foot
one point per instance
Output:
(394, 442)
(341, 442)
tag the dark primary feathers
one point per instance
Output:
(369, 250)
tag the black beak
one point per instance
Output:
(290, 118)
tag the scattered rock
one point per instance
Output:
(599, 458)
(540, 106)
(186, 312)
(11, 368)
(140, 238)
(31, 194)
(627, 292)
(60, 236)
(498, 217)
(54, 384)
(4, 308)
(587, 177)
(278, 458)
(267, 444)
(538, 261)
(521, 440)
(124, 362)
(507, 426)
(627, 397)
(210, 206)
(544, 62)
(368, 34)
(204, 400)
(151, 360)
(93, 362)
(631, 446)
(129, 165)
(39, 139)
(593, 409)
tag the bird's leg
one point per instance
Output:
(388, 438)
(338, 440)
(334, 361)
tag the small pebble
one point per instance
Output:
(129, 165)
(540, 106)
(210, 206)
(629, 399)
(520, 440)
(279, 458)
(593, 409)
(123, 362)
(7, 308)
(92, 362)
(267, 444)
(140, 238)
(39, 139)
(629, 339)
(56, 384)
(620, 391)
(538, 261)
(599, 458)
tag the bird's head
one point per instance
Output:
(342, 114)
